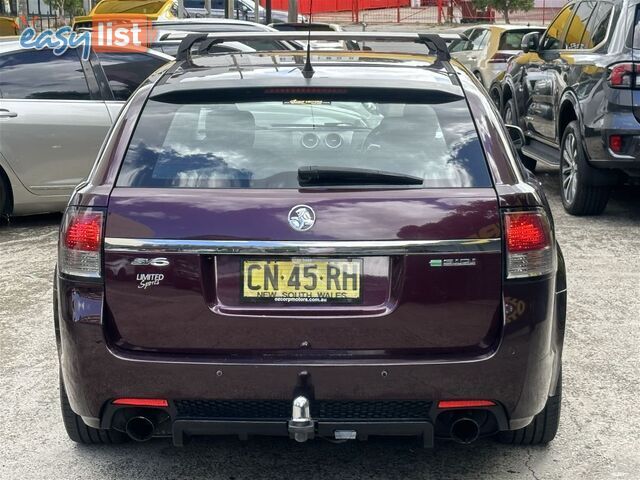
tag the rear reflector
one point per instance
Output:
(615, 143)
(530, 248)
(141, 402)
(80, 242)
(465, 403)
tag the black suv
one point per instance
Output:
(575, 91)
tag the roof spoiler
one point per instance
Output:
(435, 43)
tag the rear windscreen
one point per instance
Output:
(264, 144)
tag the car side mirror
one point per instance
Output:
(530, 42)
(517, 136)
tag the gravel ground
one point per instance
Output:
(598, 439)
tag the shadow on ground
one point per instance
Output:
(262, 458)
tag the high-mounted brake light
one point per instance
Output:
(305, 90)
(465, 404)
(81, 242)
(624, 75)
(530, 247)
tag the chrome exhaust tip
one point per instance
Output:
(301, 426)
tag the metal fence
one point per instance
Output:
(374, 12)
(44, 21)
(418, 11)
(434, 15)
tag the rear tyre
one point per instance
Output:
(81, 433)
(579, 196)
(4, 194)
(544, 426)
(478, 75)
(510, 118)
(495, 97)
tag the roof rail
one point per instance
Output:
(436, 43)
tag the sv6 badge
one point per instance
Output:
(154, 262)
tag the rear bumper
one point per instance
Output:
(618, 121)
(344, 420)
(518, 374)
(490, 71)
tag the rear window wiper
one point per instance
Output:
(335, 176)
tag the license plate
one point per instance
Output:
(302, 280)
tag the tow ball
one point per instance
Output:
(301, 426)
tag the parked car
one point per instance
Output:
(317, 27)
(242, 10)
(168, 38)
(153, 10)
(9, 27)
(486, 49)
(576, 94)
(54, 114)
(317, 247)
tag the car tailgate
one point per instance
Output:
(430, 283)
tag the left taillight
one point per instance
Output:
(80, 245)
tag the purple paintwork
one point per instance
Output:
(407, 305)
(419, 333)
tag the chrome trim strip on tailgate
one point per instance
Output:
(326, 247)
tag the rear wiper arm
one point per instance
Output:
(336, 176)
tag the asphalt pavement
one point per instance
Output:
(599, 437)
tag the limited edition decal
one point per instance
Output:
(149, 279)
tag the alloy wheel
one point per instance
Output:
(570, 168)
(508, 115)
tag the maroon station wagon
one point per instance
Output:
(344, 246)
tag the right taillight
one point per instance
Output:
(80, 246)
(529, 244)
(624, 75)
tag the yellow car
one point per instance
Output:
(9, 27)
(153, 10)
(488, 48)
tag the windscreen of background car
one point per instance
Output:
(262, 144)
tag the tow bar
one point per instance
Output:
(301, 426)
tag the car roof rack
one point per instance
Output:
(436, 43)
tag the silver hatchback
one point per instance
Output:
(54, 114)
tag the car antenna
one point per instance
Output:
(307, 70)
